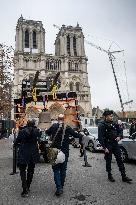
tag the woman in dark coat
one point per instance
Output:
(28, 154)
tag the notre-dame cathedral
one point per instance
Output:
(69, 59)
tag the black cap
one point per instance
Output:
(107, 112)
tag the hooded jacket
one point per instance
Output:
(27, 145)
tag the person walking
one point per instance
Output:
(56, 131)
(132, 127)
(83, 140)
(28, 154)
(108, 136)
(120, 124)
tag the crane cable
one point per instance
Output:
(128, 95)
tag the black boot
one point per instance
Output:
(110, 177)
(87, 165)
(59, 192)
(126, 179)
(24, 193)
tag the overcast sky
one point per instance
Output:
(105, 23)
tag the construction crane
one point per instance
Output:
(58, 27)
(111, 58)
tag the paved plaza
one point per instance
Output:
(83, 185)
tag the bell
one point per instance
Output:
(44, 120)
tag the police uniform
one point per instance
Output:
(108, 131)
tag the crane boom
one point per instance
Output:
(111, 57)
(97, 47)
(117, 85)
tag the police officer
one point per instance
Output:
(109, 134)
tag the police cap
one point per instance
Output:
(107, 112)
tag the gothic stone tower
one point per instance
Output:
(70, 45)
(69, 59)
(29, 51)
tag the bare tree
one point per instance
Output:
(6, 80)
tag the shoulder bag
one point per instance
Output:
(56, 156)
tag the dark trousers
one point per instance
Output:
(60, 174)
(26, 175)
(114, 148)
(85, 156)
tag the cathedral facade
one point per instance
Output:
(69, 59)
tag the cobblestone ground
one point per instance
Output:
(83, 185)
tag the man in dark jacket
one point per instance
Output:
(60, 169)
(108, 136)
(28, 154)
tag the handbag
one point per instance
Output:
(56, 156)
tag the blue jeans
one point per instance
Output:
(60, 174)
